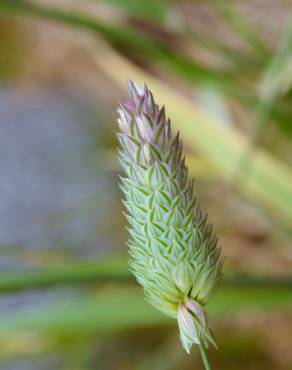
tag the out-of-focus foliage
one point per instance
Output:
(223, 69)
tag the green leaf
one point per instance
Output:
(121, 308)
(104, 269)
(276, 81)
(155, 10)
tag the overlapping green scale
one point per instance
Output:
(174, 253)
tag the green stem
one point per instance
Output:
(204, 357)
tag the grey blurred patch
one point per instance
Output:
(50, 195)
(48, 363)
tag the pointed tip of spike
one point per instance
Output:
(135, 88)
(130, 83)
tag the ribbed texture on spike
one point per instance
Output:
(174, 253)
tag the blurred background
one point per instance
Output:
(224, 71)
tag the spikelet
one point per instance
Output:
(173, 252)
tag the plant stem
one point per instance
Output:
(204, 357)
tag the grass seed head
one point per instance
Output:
(173, 251)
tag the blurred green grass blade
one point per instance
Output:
(275, 83)
(104, 269)
(269, 181)
(117, 309)
(146, 48)
(110, 309)
(107, 269)
(251, 299)
(282, 114)
(114, 34)
(241, 60)
(133, 40)
(154, 10)
(277, 78)
(227, 10)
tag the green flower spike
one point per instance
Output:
(174, 253)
